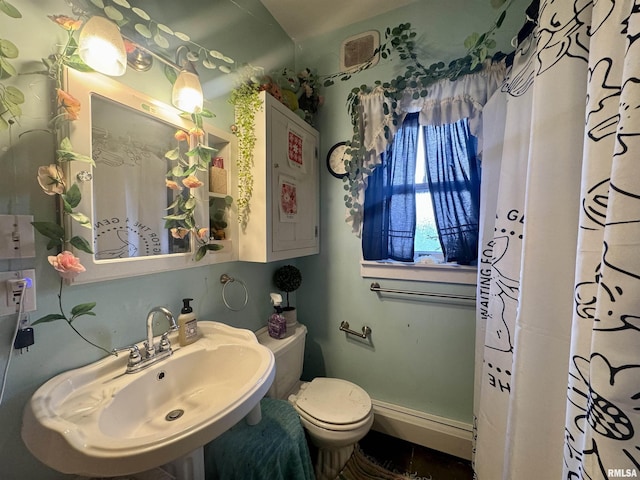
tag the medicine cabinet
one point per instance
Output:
(127, 134)
(284, 213)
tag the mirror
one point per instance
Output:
(128, 148)
(125, 196)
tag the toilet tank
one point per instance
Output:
(289, 356)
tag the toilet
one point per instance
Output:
(335, 413)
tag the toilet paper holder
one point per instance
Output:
(366, 331)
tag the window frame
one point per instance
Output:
(439, 273)
(425, 272)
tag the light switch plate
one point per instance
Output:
(17, 238)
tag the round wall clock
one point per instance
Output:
(336, 160)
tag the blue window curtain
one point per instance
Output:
(390, 201)
(453, 174)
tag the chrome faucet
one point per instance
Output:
(151, 355)
(149, 347)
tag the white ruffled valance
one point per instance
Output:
(446, 102)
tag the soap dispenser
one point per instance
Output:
(277, 324)
(187, 324)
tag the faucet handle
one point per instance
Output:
(165, 344)
(134, 356)
(117, 350)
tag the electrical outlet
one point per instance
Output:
(10, 292)
(16, 291)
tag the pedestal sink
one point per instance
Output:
(99, 421)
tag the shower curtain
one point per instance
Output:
(557, 392)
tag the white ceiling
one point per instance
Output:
(302, 19)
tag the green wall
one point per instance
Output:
(421, 354)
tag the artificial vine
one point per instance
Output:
(52, 180)
(415, 81)
(182, 220)
(283, 86)
(246, 100)
(11, 98)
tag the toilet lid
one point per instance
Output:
(335, 401)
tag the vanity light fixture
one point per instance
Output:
(138, 58)
(187, 92)
(100, 46)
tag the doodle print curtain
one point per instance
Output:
(558, 337)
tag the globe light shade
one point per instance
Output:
(101, 47)
(187, 92)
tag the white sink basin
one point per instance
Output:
(99, 421)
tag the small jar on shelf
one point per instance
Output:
(218, 176)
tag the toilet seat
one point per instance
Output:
(333, 404)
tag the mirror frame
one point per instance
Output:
(83, 86)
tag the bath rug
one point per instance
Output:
(361, 467)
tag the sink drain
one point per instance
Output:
(174, 415)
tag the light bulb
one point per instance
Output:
(101, 47)
(187, 92)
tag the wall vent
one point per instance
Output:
(359, 49)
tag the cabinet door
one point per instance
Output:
(294, 185)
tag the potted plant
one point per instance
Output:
(288, 279)
(218, 216)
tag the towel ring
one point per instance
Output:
(226, 280)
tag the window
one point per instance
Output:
(426, 241)
(424, 198)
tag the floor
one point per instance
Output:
(414, 460)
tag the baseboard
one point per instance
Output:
(438, 433)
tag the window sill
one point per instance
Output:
(459, 274)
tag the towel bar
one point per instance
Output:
(366, 331)
(375, 287)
